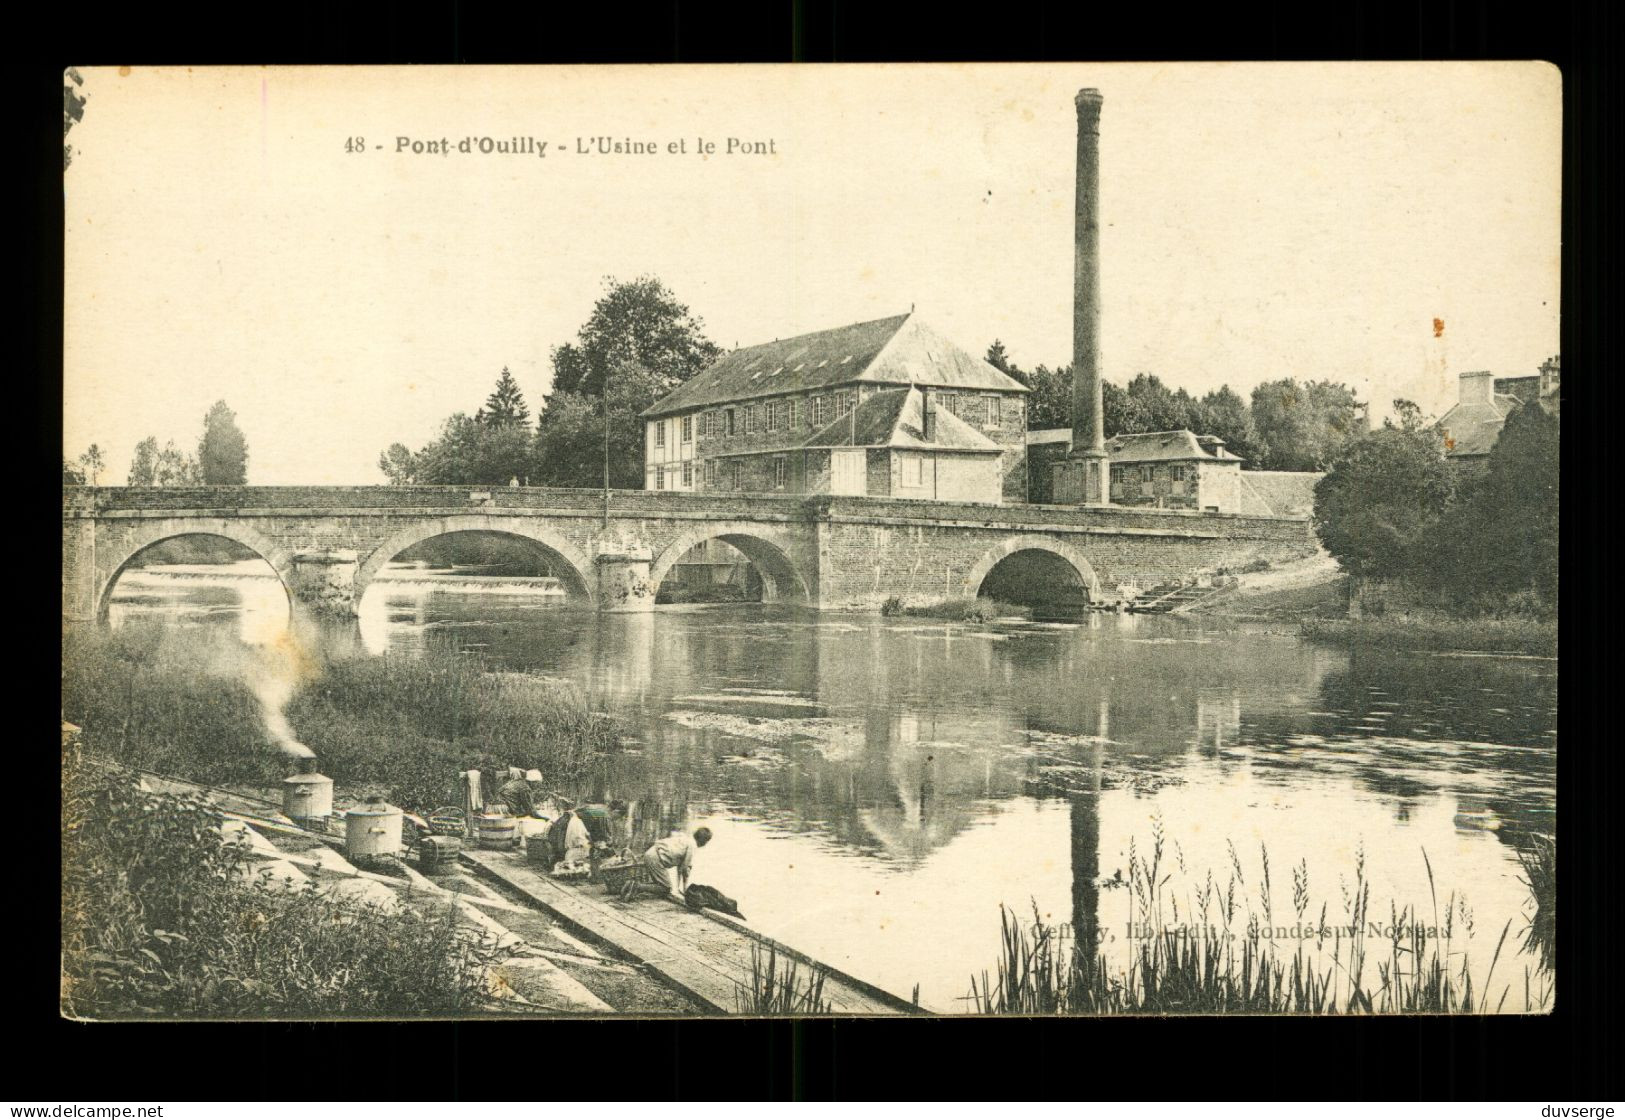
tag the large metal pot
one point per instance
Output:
(372, 830)
(308, 799)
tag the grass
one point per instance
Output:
(1217, 953)
(776, 990)
(158, 920)
(212, 711)
(957, 610)
(1485, 635)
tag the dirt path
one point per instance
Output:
(1309, 588)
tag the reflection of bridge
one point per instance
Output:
(327, 544)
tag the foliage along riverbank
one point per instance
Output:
(204, 708)
(1528, 636)
(159, 919)
(1215, 952)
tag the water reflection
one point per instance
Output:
(878, 787)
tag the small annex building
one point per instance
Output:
(1175, 470)
(1164, 470)
(886, 408)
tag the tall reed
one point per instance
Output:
(1223, 951)
(776, 990)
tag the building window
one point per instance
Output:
(710, 474)
(948, 402)
(995, 410)
(660, 478)
(660, 433)
(915, 470)
(728, 422)
(843, 403)
(820, 406)
(790, 413)
(1146, 473)
(738, 473)
(688, 473)
(688, 429)
(750, 419)
(780, 470)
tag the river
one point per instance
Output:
(878, 787)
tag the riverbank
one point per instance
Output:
(206, 708)
(1313, 594)
(1313, 587)
(190, 901)
(1527, 637)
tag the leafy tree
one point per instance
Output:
(1381, 500)
(1224, 414)
(506, 404)
(1498, 545)
(222, 453)
(399, 464)
(470, 453)
(173, 467)
(1157, 408)
(144, 465)
(91, 465)
(1304, 427)
(71, 475)
(1049, 405)
(570, 436)
(637, 322)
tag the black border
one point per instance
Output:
(1561, 1057)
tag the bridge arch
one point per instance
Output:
(1043, 543)
(781, 581)
(155, 532)
(569, 564)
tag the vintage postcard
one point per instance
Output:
(810, 540)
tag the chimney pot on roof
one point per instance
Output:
(1478, 387)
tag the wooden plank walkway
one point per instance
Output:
(704, 954)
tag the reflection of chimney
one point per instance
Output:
(1088, 432)
(1478, 387)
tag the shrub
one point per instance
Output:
(158, 920)
(892, 606)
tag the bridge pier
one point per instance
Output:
(323, 581)
(624, 583)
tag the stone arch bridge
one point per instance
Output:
(327, 544)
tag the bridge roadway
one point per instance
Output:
(327, 544)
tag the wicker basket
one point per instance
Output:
(617, 874)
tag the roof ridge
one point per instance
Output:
(825, 330)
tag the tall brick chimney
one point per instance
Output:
(1088, 431)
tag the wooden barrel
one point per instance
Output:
(497, 831)
(438, 853)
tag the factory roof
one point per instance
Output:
(1146, 447)
(900, 350)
